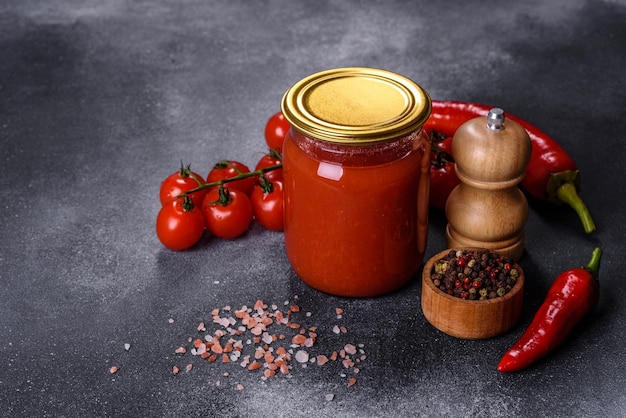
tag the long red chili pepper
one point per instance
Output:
(573, 295)
(551, 174)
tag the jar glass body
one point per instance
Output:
(356, 216)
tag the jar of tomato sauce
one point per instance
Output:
(355, 167)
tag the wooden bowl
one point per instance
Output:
(470, 319)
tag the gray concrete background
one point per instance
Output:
(99, 102)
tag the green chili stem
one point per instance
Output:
(567, 193)
(259, 172)
(594, 263)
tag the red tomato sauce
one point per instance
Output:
(356, 216)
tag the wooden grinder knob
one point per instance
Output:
(487, 209)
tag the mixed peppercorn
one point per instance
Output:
(475, 274)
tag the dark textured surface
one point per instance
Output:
(99, 101)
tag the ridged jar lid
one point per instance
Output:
(356, 106)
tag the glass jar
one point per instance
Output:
(356, 174)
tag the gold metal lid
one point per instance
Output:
(356, 106)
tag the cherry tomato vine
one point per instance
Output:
(226, 203)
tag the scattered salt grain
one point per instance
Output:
(330, 396)
(347, 363)
(269, 351)
(350, 349)
(321, 360)
(126, 346)
(302, 356)
(255, 365)
(339, 312)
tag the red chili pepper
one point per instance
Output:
(551, 174)
(573, 295)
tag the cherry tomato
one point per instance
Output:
(180, 182)
(443, 178)
(275, 130)
(442, 182)
(271, 159)
(179, 224)
(443, 143)
(229, 169)
(227, 213)
(268, 205)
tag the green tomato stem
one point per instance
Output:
(266, 185)
(188, 204)
(196, 178)
(184, 171)
(225, 198)
(441, 157)
(202, 185)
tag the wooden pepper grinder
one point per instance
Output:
(487, 209)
